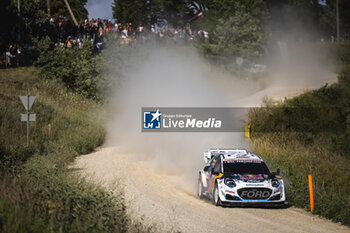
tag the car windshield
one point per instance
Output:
(246, 168)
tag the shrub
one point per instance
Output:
(330, 173)
(42, 194)
(78, 68)
(310, 134)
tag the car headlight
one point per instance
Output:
(275, 183)
(230, 182)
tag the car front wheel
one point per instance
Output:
(216, 198)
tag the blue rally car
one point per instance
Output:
(234, 176)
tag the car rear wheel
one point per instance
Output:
(216, 198)
(200, 188)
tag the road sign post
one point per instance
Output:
(27, 102)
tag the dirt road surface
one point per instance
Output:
(163, 199)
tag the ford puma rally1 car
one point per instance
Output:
(233, 176)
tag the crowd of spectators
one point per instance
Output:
(67, 35)
(129, 36)
(97, 32)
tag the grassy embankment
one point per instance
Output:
(310, 134)
(38, 192)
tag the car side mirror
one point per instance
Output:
(277, 173)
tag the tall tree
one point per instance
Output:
(148, 12)
(237, 28)
(58, 7)
(131, 11)
(308, 18)
(33, 18)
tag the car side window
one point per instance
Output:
(212, 163)
(217, 166)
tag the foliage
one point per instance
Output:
(129, 11)
(296, 160)
(70, 203)
(344, 56)
(223, 9)
(238, 35)
(150, 12)
(308, 19)
(310, 134)
(15, 217)
(319, 111)
(322, 112)
(34, 18)
(61, 118)
(78, 8)
(78, 68)
(39, 192)
(236, 29)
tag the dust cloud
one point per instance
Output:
(170, 77)
(179, 77)
(293, 68)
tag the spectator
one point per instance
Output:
(52, 21)
(69, 42)
(8, 58)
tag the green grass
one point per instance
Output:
(330, 173)
(310, 134)
(62, 118)
(38, 192)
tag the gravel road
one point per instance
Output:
(161, 199)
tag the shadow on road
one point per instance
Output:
(286, 205)
(257, 206)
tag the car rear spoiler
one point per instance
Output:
(208, 155)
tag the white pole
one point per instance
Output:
(28, 122)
